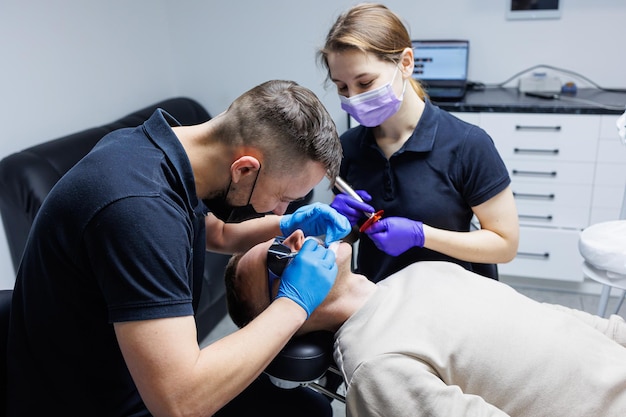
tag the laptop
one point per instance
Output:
(441, 67)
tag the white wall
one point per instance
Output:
(72, 64)
(67, 65)
(229, 47)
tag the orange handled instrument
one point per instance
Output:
(371, 217)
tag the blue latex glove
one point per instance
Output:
(309, 277)
(395, 235)
(316, 219)
(352, 208)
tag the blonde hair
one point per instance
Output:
(369, 28)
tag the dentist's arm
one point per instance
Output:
(177, 378)
(315, 219)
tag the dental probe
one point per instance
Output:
(346, 189)
(371, 217)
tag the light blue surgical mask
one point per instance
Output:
(371, 108)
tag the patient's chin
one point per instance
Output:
(343, 252)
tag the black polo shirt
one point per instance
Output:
(120, 237)
(446, 167)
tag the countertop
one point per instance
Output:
(510, 100)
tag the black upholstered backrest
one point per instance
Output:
(27, 177)
(5, 311)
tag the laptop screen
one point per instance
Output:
(440, 61)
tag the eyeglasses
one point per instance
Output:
(279, 256)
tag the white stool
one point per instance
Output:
(603, 247)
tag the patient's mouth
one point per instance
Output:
(334, 246)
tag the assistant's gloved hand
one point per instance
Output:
(395, 235)
(351, 208)
(316, 219)
(309, 277)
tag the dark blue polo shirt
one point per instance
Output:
(120, 237)
(446, 167)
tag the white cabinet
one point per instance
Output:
(546, 253)
(543, 137)
(566, 172)
(609, 186)
(551, 161)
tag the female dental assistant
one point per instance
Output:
(429, 171)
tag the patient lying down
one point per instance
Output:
(436, 340)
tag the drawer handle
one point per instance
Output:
(536, 128)
(533, 217)
(536, 151)
(535, 173)
(528, 195)
(545, 255)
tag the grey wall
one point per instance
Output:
(71, 64)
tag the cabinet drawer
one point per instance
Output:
(608, 126)
(546, 254)
(548, 195)
(611, 150)
(611, 174)
(550, 205)
(608, 203)
(555, 216)
(551, 172)
(609, 193)
(603, 214)
(543, 136)
(609, 197)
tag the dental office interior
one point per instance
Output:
(72, 64)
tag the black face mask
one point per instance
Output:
(231, 214)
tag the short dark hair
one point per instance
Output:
(240, 308)
(289, 124)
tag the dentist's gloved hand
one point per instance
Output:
(315, 220)
(352, 208)
(309, 277)
(395, 235)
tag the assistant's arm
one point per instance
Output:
(399, 386)
(495, 242)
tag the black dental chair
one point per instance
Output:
(307, 359)
(5, 313)
(304, 361)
